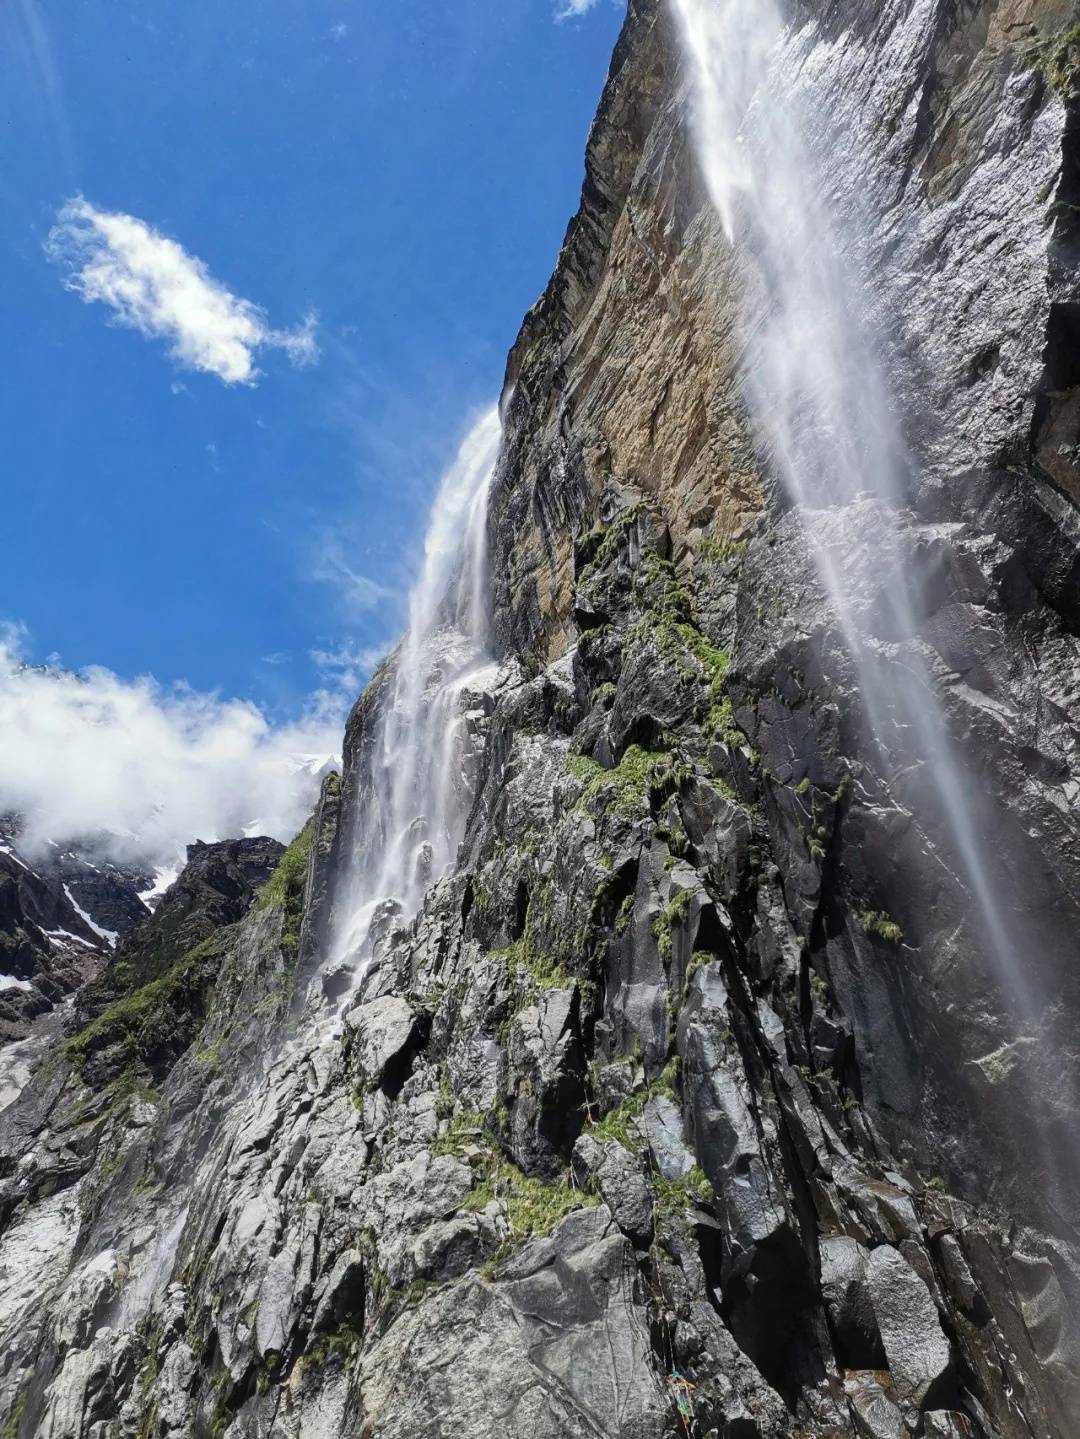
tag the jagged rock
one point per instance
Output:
(616, 1175)
(873, 1410)
(661, 1123)
(557, 1348)
(726, 1136)
(848, 1303)
(382, 1030)
(215, 888)
(546, 1083)
(907, 1319)
(48, 946)
(342, 1296)
(946, 1424)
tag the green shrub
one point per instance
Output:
(876, 922)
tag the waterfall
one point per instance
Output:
(816, 390)
(415, 798)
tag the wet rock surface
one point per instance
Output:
(685, 1105)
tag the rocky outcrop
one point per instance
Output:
(49, 946)
(215, 888)
(686, 1104)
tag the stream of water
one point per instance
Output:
(415, 801)
(817, 391)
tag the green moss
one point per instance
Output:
(284, 889)
(672, 917)
(675, 1196)
(698, 960)
(465, 1130)
(620, 1124)
(332, 1349)
(1059, 61)
(142, 1020)
(444, 1102)
(602, 543)
(543, 970)
(876, 922)
(533, 1206)
(629, 787)
(211, 1055)
(14, 1419)
(719, 551)
(625, 915)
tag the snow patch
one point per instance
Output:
(110, 936)
(7, 849)
(163, 879)
(67, 934)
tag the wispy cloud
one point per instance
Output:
(156, 767)
(359, 593)
(348, 667)
(153, 285)
(571, 8)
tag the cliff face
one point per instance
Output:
(689, 1103)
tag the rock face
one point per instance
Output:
(687, 1104)
(49, 944)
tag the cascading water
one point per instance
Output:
(816, 390)
(415, 800)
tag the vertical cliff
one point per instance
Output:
(688, 1103)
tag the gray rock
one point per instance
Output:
(662, 1125)
(874, 1413)
(617, 1177)
(382, 1030)
(848, 1303)
(947, 1424)
(917, 1350)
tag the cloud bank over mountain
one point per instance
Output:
(151, 766)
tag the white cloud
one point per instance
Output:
(570, 8)
(154, 286)
(155, 767)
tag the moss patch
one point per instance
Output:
(533, 1206)
(543, 971)
(620, 1124)
(284, 889)
(14, 1419)
(671, 918)
(629, 788)
(675, 1196)
(161, 1014)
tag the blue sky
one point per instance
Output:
(400, 169)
